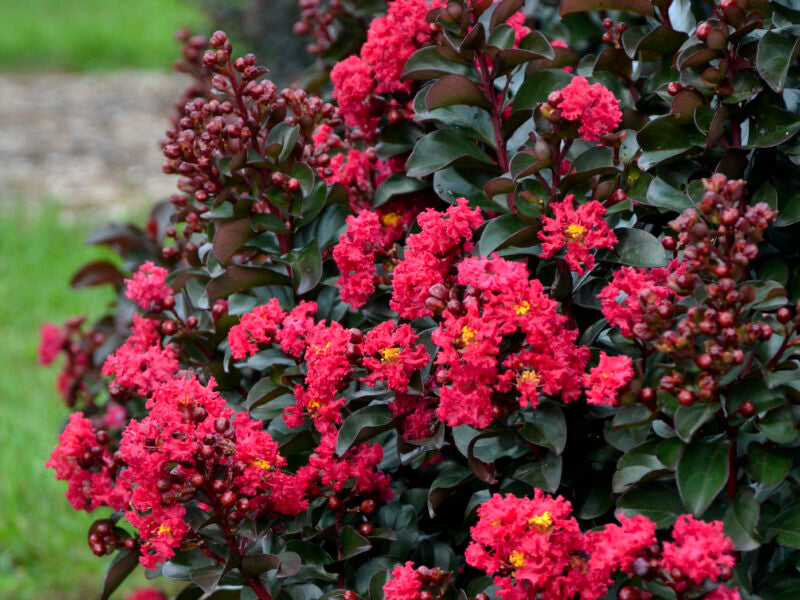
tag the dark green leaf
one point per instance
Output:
(307, 268)
(260, 563)
(452, 477)
(787, 527)
(398, 139)
(503, 10)
(502, 231)
(770, 125)
(395, 186)
(441, 149)
(265, 222)
(544, 474)
(740, 522)
(635, 247)
(655, 500)
(238, 278)
(353, 543)
(702, 473)
(667, 137)
(769, 467)
(776, 51)
(207, 578)
(363, 424)
(452, 90)
(427, 63)
(779, 425)
(546, 426)
(688, 419)
(638, 464)
(662, 195)
(123, 564)
(536, 87)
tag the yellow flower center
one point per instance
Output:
(516, 558)
(163, 529)
(529, 376)
(261, 463)
(542, 521)
(324, 350)
(391, 219)
(390, 355)
(468, 334)
(575, 232)
(313, 405)
(522, 308)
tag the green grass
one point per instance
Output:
(93, 34)
(43, 548)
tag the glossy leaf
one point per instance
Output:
(363, 424)
(307, 268)
(118, 570)
(776, 51)
(454, 90)
(238, 278)
(97, 272)
(395, 186)
(441, 149)
(503, 231)
(231, 236)
(702, 473)
(637, 248)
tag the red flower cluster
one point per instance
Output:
(189, 426)
(146, 594)
(606, 379)
(501, 301)
(580, 230)
(358, 466)
(405, 583)
(701, 550)
(257, 327)
(52, 342)
(535, 549)
(418, 414)
(141, 364)
(431, 255)
(634, 292)
(390, 355)
(84, 460)
(593, 106)
(355, 257)
(148, 287)
(391, 40)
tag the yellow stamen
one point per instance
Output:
(516, 558)
(261, 463)
(522, 308)
(575, 232)
(320, 350)
(542, 521)
(496, 523)
(313, 405)
(468, 334)
(163, 529)
(391, 219)
(390, 355)
(528, 376)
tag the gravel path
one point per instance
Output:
(87, 141)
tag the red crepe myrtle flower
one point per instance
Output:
(418, 415)
(606, 379)
(148, 286)
(593, 106)
(431, 253)
(701, 550)
(632, 290)
(295, 328)
(87, 466)
(141, 364)
(355, 257)
(52, 342)
(722, 592)
(405, 583)
(146, 594)
(580, 230)
(352, 84)
(256, 327)
(390, 355)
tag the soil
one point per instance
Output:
(86, 141)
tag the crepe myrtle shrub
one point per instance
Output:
(510, 313)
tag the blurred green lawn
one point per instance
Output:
(43, 548)
(93, 34)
